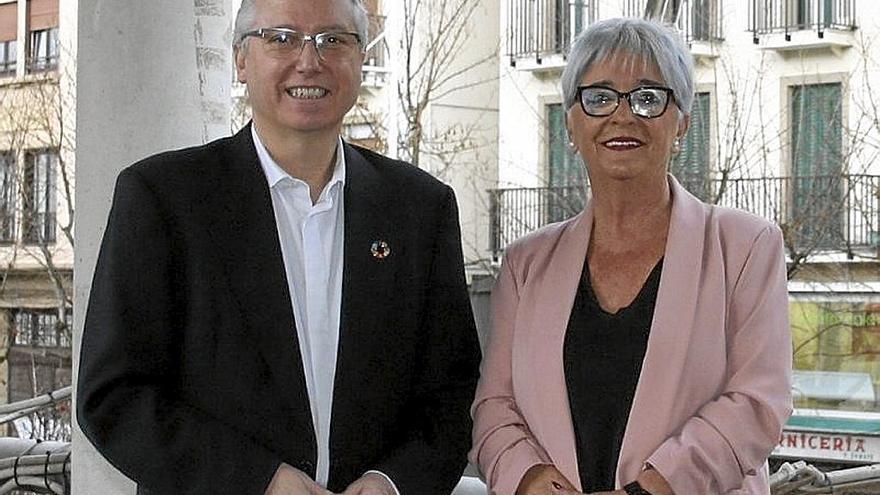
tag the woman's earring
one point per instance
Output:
(676, 146)
(573, 147)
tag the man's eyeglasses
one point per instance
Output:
(645, 101)
(284, 42)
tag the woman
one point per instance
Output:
(644, 343)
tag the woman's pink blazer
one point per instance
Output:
(714, 391)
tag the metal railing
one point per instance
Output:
(7, 68)
(818, 213)
(801, 478)
(786, 16)
(8, 54)
(7, 225)
(374, 70)
(34, 466)
(39, 228)
(700, 20)
(376, 45)
(540, 28)
(42, 64)
(697, 20)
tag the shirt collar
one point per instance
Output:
(275, 174)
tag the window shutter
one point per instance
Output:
(691, 165)
(816, 183)
(566, 175)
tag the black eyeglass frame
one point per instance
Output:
(670, 96)
(262, 33)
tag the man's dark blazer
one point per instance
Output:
(190, 377)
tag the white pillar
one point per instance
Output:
(22, 38)
(148, 79)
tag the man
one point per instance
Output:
(280, 312)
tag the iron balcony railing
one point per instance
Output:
(700, 21)
(39, 228)
(541, 28)
(7, 225)
(8, 56)
(786, 16)
(43, 64)
(696, 20)
(818, 213)
(7, 68)
(374, 70)
(376, 43)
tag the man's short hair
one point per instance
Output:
(247, 14)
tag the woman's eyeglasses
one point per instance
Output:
(645, 101)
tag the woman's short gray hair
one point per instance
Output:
(245, 21)
(650, 41)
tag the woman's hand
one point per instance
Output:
(545, 479)
(652, 481)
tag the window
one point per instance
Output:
(40, 328)
(816, 187)
(811, 13)
(704, 20)
(38, 218)
(39, 361)
(7, 196)
(836, 355)
(8, 57)
(572, 17)
(44, 50)
(691, 165)
(566, 175)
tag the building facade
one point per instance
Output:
(785, 125)
(36, 207)
(429, 95)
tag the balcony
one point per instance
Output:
(375, 72)
(42, 64)
(8, 54)
(800, 24)
(540, 31)
(43, 50)
(39, 228)
(819, 214)
(699, 21)
(7, 225)
(7, 68)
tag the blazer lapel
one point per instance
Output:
(543, 355)
(367, 279)
(675, 309)
(244, 229)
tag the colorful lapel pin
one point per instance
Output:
(380, 250)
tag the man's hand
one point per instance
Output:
(370, 484)
(291, 481)
(545, 479)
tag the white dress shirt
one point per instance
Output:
(311, 238)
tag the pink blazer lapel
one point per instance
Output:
(542, 355)
(655, 401)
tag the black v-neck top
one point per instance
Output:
(602, 357)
